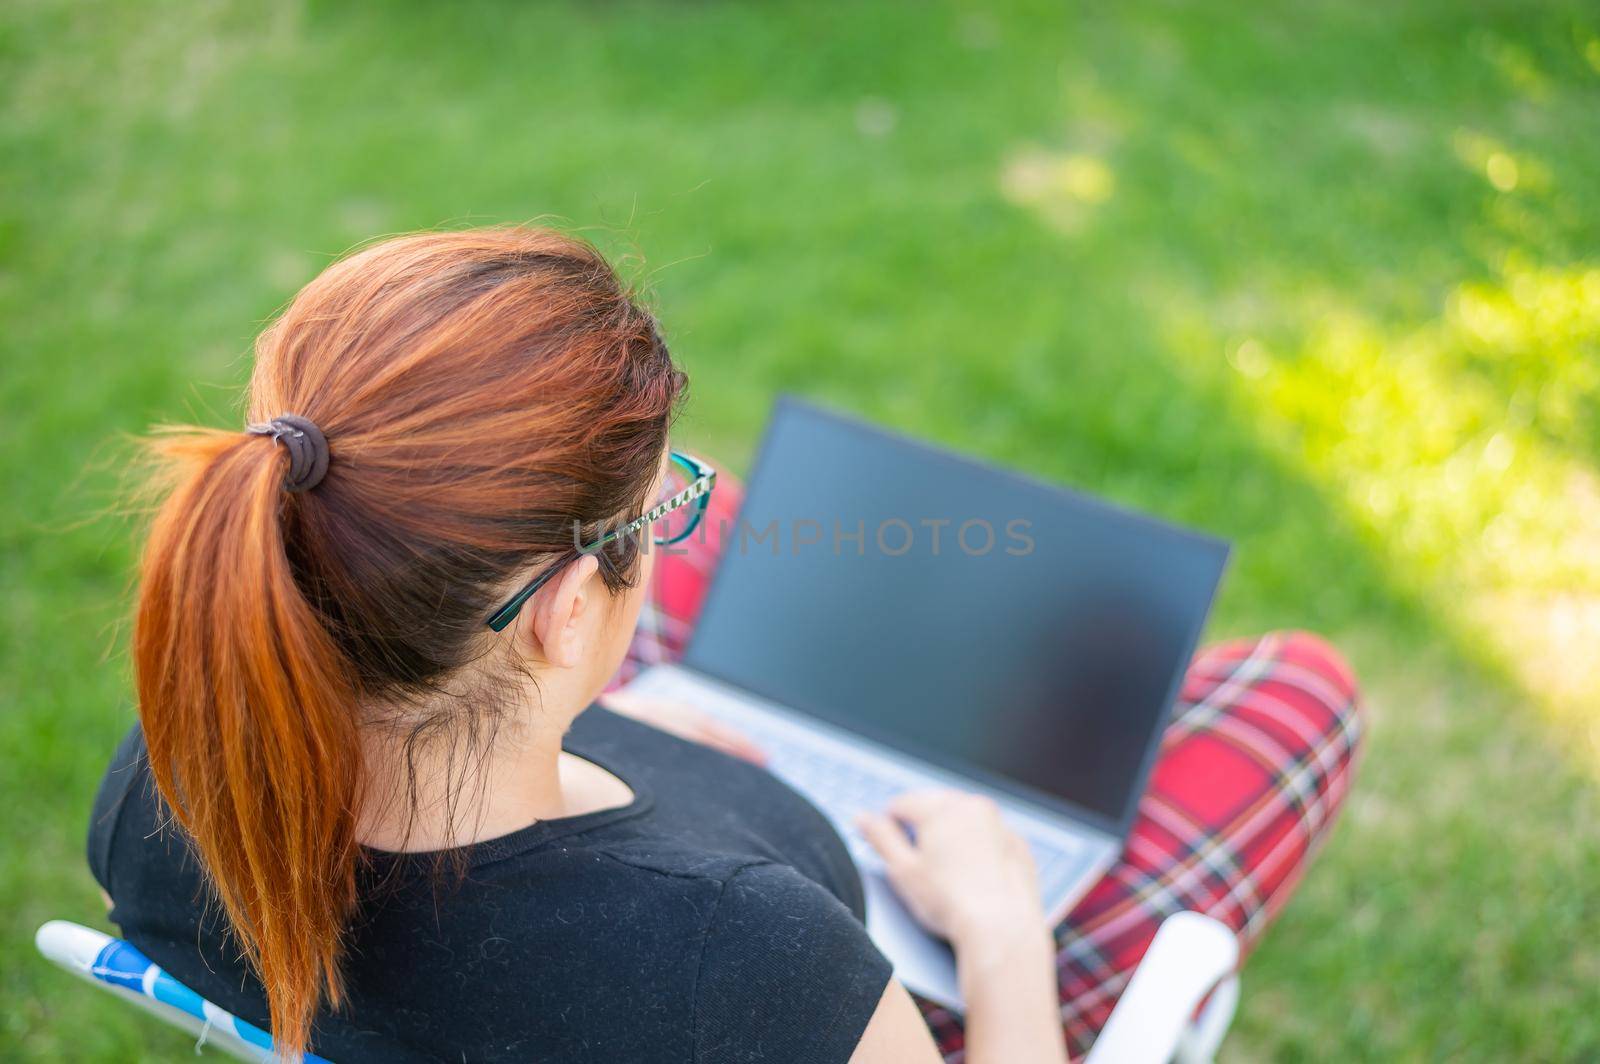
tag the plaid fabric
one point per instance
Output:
(1250, 776)
(1251, 773)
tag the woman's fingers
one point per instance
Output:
(955, 863)
(702, 727)
(731, 740)
(888, 838)
(686, 722)
(916, 808)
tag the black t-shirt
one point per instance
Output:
(717, 918)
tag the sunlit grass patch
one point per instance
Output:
(1465, 445)
(1500, 166)
(1063, 187)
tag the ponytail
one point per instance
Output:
(486, 391)
(248, 709)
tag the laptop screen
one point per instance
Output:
(1012, 631)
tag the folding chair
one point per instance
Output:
(1154, 1022)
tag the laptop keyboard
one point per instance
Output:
(843, 786)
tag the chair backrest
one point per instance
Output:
(118, 967)
(1152, 1020)
(1154, 1017)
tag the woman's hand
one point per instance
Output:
(968, 877)
(961, 871)
(686, 722)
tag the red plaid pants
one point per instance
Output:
(1251, 774)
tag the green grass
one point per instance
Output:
(1318, 277)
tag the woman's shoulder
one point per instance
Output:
(643, 959)
(784, 963)
(126, 778)
(706, 800)
(753, 953)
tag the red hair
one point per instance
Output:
(480, 392)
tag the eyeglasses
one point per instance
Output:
(685, 492)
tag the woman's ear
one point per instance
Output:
(560, 610)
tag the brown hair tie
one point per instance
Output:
(307, 446)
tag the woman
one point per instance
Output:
(404, 833)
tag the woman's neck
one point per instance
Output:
(444, 793)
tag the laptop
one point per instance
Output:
(890, 616)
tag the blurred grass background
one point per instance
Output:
(1320, 277)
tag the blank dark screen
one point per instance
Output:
(1041, 655)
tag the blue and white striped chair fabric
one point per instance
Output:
(119, 966)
